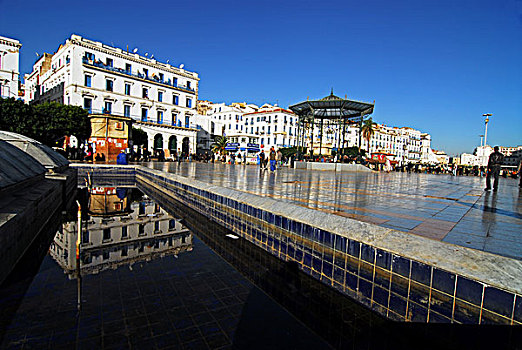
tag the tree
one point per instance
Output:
(61, 120)
(367, 130)
(18, 117)
(219, 145)
(47, 123)
(139, 137)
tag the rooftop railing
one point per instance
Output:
(169, 82)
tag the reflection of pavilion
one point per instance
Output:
(144, 232)
(330, 115)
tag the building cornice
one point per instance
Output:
(10, 42)
(276, 110)
(128, 56)
(146, 81)
(165, 126)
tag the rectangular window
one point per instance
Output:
(160, 96)
(175, 99)
(108, 107)
(128, 67)
(173, 119)
(160, 117)
(156, 226)
(109, 62)
(188, 84)
(109, 84)
(146, 72)
(175, 83)
(189, 103)
(187, 121)
(172, 224)
(144, 112)
(87, 104)
(89, 56)
(126, 110)
(145, 93)
(106, 234)
(127, 89)
(161, 76)
(141, 229)
(124, 232)
(85, 237)
(87, 80)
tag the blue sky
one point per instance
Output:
(433, 65)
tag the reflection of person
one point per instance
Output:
(495, 161)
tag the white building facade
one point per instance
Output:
(105, 79)
(9, 67)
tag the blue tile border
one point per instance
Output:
(355, 268)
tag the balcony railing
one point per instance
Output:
(169, 82)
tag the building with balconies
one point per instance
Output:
(159, 97)
(9, 67)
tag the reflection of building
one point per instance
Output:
(9, 67)
(145, 233)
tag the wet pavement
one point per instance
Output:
(442, 207)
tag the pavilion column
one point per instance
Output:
(339, 134)
(298, 133)
(312, 136)
(360, 133)
(344, 133)
(321, 139)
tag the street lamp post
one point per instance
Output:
(487, 115)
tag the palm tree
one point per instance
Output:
(367, 130)
(219, 145)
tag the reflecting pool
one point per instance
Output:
(154, 274)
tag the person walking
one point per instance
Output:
(495, 161)
(273, 157)
(279, 158)
(262, 160)
(519, 170)
(122, 158)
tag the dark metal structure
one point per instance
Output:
(331, 111)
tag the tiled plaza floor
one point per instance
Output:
(441, 207)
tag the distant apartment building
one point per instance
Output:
(275, 126)
(159, 97)
(402, 144)
(9, 67)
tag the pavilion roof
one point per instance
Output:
(333, 107)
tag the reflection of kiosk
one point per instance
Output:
(110, 134)
(109, 201)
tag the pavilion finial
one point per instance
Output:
(331, 94)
